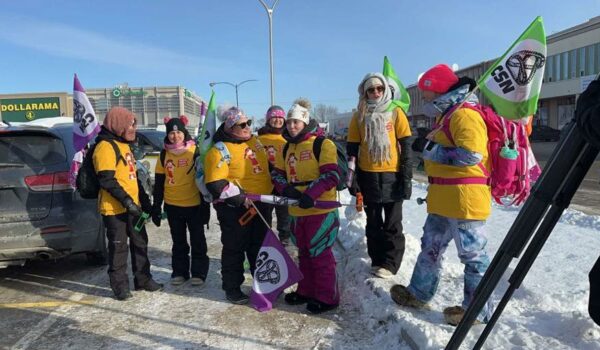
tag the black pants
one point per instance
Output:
(180, 220)
(240, 241)
(594, 303)
(385, 240)
(120, 228)
(283, 221)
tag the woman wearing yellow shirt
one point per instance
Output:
(378, 139)
(174, 182)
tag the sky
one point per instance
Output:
(321, 49)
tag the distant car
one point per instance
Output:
(147, 148)
(544, 133)
(42, 217)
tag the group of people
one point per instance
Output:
(283, 159)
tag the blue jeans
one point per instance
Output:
(470, 241)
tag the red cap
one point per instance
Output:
(438, 79)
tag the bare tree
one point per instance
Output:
(323, 112)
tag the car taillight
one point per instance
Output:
(49, 182)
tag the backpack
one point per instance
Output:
(342, 159)
(513, 166)
(87, 180)
(225, 158)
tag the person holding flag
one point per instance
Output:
(378, 137)
(182, 203)
(457, 210)
(270, 136)
(314, 230)
(236, 164)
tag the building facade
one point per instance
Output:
(572, 62)
(150, 104)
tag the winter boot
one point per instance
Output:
(150, 286)
(177, 280)
(294, 298)
(317, 307)
(123, 295)
(401, 296)
(381, 272)
(454, 314)
(235, 296)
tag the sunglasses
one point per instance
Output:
(244, 124)
(372, 90)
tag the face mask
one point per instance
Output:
(431, 110)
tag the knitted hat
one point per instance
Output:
(232, 116)
(300, 111)
(274, 112)
(373, 81)
(118, 120)
(438, 79)
(176, 124)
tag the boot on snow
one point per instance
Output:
(402, 296)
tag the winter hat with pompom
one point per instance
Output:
(300, 110)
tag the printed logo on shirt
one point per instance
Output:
(170, 168)
(271, 153)
(131, 165)
(292, 163)
(182, 163)
(389, 127)
(249, 154)
(305, 155)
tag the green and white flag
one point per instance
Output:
(209, 127)
(513, 82)
(402, 99)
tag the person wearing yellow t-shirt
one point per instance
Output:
(457, 209)
(175, 184)
(378, 138)
(300, 174)
(270, 137)
(245, 171)
(119, 201)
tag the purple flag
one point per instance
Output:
(85, 123)
(275, 271)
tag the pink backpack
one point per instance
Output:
(513, 165)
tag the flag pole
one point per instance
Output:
(257, 211)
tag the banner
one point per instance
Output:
(401, 97)
(513, 82)
(275, 271)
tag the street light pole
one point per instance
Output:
(237, 103)
(270, 14)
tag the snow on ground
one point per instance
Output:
(548, 311)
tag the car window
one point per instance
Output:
(33, 150)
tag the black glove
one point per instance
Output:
(204, 212)
(407, 190)
(236, 201)
(418, 144)
(306, 202)
(132, 208)
(156, 215)
(291, 192)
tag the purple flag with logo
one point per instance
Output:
(275, 271)
(85, 123)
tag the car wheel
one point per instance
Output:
(100, 256)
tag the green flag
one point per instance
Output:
(513, 82)
(209, 127)
(403, 100)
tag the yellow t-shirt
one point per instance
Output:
(398, 127)
(301, 165)
(104, 160)
(180, 184)
(461, 201)
(248, 166)
(273, 144)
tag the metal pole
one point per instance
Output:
(270, 14)
(237, 102)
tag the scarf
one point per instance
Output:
(178, 148)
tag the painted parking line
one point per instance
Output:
(45, 304)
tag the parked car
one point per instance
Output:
(42, 216)
(147, 148)
(544, 133)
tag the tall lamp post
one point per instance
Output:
(270, 14)
(237, 103)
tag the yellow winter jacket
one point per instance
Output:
(397, 128)
(180, 186)
(461, 201)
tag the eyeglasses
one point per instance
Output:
(244, 124)
(379, 88)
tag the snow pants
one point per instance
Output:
(314, 236)
(470, 241)
(180, 220)
(239, 241)
(283, 222)
(120, 230)
(385, 240)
